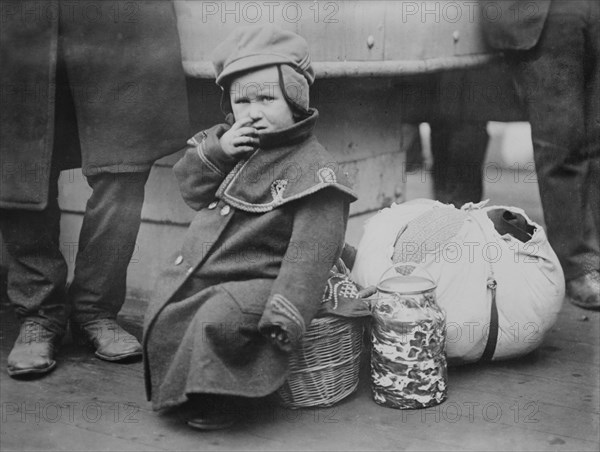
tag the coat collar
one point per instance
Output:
(295, 133)
(290, 164)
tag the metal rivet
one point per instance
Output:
(179, 260)
(370, 41)
(456, 35)
(190, 270)
(225, 210)
(212, 205)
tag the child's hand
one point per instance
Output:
(240, 139)
(279, 338)
(366, 292)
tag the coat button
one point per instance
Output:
(213, 204)
(179, 260)
(225, 210)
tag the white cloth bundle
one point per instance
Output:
(465, 254)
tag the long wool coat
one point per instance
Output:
(514, 24)
(258, 254)
(120, 102)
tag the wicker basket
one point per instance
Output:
(324, 370)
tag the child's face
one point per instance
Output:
(257, 95)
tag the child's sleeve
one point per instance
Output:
(316, 244)
(203, 167)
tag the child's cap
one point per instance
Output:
(253, 47)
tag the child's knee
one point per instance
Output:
(231, 333)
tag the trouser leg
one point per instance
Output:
(37, 271)
(593, 116)
(106, 244)
(414, 152)
(555, 82)
(459, 140)
(458, 150)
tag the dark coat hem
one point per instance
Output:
(172, 403)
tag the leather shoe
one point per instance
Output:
(212, 412)
(111, 342)
(33, 352)
(585, 291)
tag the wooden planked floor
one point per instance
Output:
(548, 400)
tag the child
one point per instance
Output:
(271, 222)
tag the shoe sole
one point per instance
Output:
(583, 305)
(25, 372)
(112, 359)
(206, 426)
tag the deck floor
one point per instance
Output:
(548, 400)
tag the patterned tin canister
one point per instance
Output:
(408, 361)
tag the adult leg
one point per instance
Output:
(458, 141)
(592, 116)
(414, 153)
(37, 275)
(106, 244)
(458, 150)
(585, 290)
(554, 80)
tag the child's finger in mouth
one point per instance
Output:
(248, 131)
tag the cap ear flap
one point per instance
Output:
(294, 88)
(226, 101)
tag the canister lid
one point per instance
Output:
(406, 284)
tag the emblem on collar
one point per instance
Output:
(277, 189)
(326, 175)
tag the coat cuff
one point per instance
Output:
(209, 150)
(281, 312)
